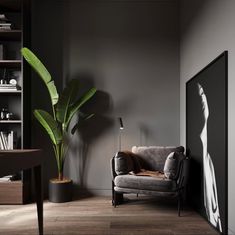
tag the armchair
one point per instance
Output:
(156, 171)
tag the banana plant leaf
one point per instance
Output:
(50, 125)
(78, 104)
(67, 98)
(41, 70)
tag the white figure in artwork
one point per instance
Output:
(209, 182)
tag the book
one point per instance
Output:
(3, 141)
(9, 178)
(5, 28)
(7, 140)
(1, 144)
(9, 87)
(10, 137)
(4, 24)
(5, 179)
(4, 136)
(1, 52)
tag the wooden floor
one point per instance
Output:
(96, 216)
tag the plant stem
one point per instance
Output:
(53, 109)
(61, 176)
(57, 158)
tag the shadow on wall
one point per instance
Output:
(145, 134)
(188, 20)
(89, 132)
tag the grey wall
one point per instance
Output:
(207, 29)
(47, 43)
(129, 50)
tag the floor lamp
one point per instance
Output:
(121, 127)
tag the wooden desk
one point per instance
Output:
(12, 161)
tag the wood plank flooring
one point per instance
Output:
(96, 216)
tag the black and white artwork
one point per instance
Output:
(206, 141)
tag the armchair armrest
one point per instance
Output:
(183, 174)
(112, 167)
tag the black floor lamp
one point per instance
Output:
(121, 127)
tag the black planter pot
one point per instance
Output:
(60, 191)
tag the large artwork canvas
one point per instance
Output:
(206, 141)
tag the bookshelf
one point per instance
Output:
(14, 93)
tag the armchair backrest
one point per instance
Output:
(154, 157)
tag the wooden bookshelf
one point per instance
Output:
(15, 101)
(12, 192)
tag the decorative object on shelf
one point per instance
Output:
(5, 115)
(13, 82)
(3, 82)
(3, 79)
(56, 125)
(7, 83)
(9, 116)
(120, 132)
(5, 24)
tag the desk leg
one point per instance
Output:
(39, 197)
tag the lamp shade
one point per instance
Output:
(121, 123)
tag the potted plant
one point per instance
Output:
(56, 124)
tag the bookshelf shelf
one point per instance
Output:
(10, 121)
(11, 91)
(13, 34)
(10, 63)
(12, 5)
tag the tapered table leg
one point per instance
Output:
(39, 197)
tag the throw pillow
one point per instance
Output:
(172, 165)
(125, 162)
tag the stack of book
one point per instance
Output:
(5, 24)
(10, 178)
(6, 140)
(8, 87)
(6, 178)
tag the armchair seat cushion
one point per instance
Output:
(145, 183)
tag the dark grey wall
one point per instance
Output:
(129, 50)
(207, 29)
(47, 43)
